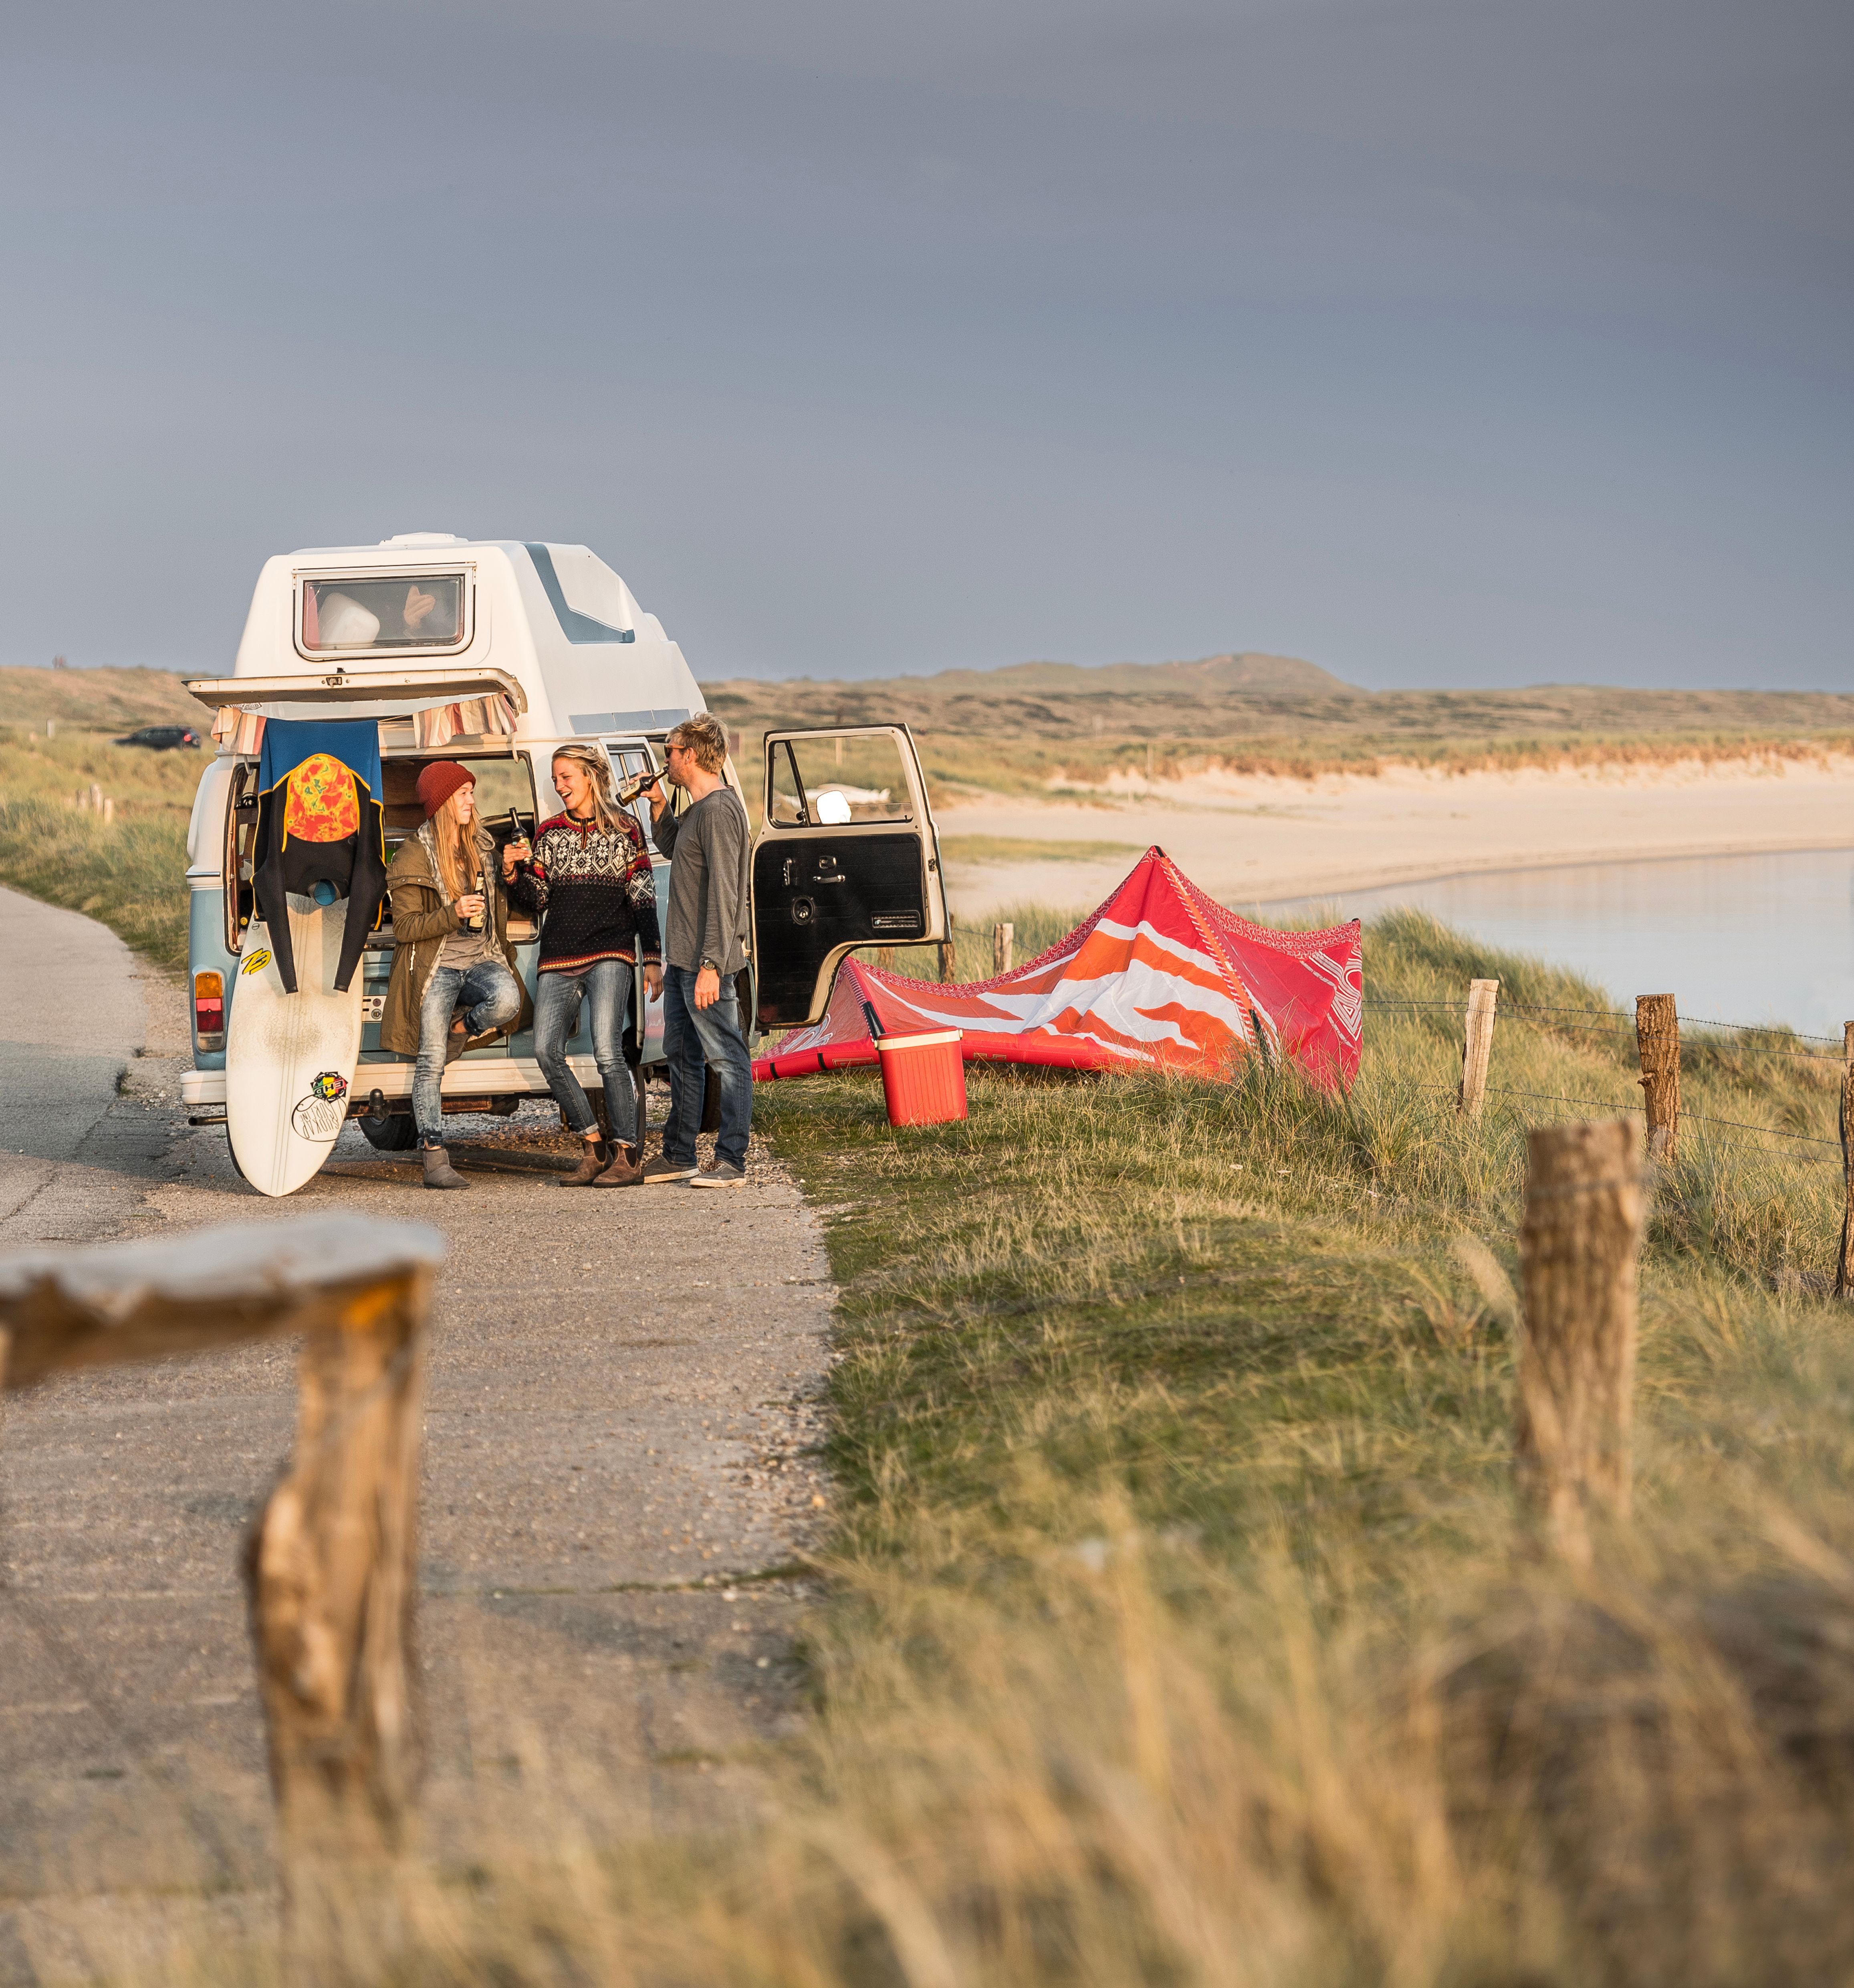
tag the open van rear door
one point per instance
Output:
(847, 856)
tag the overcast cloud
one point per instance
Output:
(1455, 343)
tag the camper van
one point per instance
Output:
(493, 653)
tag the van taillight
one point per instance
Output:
(209, 1010)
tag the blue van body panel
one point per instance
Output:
(206, 954)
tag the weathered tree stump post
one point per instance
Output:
(1578, 1247)
(885, 959)
(329, 1565)
(1477, 1045)
(1002, 938)
(949, 958)
(329, 1573)
(1844, 1268)
(1657, 1045)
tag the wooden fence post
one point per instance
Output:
(949, 957)
(329, 1569)
(1002, 938)
(1578, 1247)
(1844, 1269)
(1657, 1048)
(885, 959)
(1477, 1045)
(329, 1565)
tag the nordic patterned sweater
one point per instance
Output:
(594, 890)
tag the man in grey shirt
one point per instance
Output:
(704, 945)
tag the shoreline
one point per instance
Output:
(1266, 840)
(1462, 871)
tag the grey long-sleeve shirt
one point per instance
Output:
(707, 915)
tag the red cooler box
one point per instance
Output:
(923, 1077)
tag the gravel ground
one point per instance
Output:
(619, 1491)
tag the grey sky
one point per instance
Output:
(1452, 343)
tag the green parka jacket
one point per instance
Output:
(423, 919)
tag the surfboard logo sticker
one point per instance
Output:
(258, 962)
(319, 1115)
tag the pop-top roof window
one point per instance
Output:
(400, 613)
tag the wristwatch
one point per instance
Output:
(709, 966)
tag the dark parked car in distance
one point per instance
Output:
(162, 737)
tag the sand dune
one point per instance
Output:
(1252, 838)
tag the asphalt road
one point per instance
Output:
(618, 1480)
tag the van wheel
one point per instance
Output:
(396, 1135)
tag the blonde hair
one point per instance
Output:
(706, 738)
(606, 810)
(456, 845)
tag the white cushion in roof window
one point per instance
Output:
(345, 623)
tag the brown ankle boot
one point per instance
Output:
(625, 1170)
(592, 1164)
(439, 1171)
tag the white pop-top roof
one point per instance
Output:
(555, 620)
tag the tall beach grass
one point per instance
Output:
(1181, 1624)
(130, 873)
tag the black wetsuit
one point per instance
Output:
(286, 864)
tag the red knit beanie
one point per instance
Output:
(439, 781)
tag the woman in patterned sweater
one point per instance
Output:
(588, 877)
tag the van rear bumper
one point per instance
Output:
(473, 1077)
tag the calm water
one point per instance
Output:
(1738, 939)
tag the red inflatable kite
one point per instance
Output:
(1161, 975)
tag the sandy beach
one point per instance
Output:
(1253, 839)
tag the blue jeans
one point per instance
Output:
(693, 1038)
(608, 983)
(490, 997)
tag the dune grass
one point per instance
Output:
(1182, 1625)
(129, 873)
(1004, 732)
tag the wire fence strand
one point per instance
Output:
(1625, 1023)
(1614, 1104)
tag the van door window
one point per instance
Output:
(629, 758)
(829, 782)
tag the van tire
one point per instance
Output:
(396, 1135)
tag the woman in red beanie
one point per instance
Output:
(453, 969)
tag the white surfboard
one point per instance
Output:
(290, 1058)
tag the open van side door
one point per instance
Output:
(847, 856)
(241, 842)
(629, 756)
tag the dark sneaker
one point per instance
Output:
(658, 1170)
(720, 1175)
